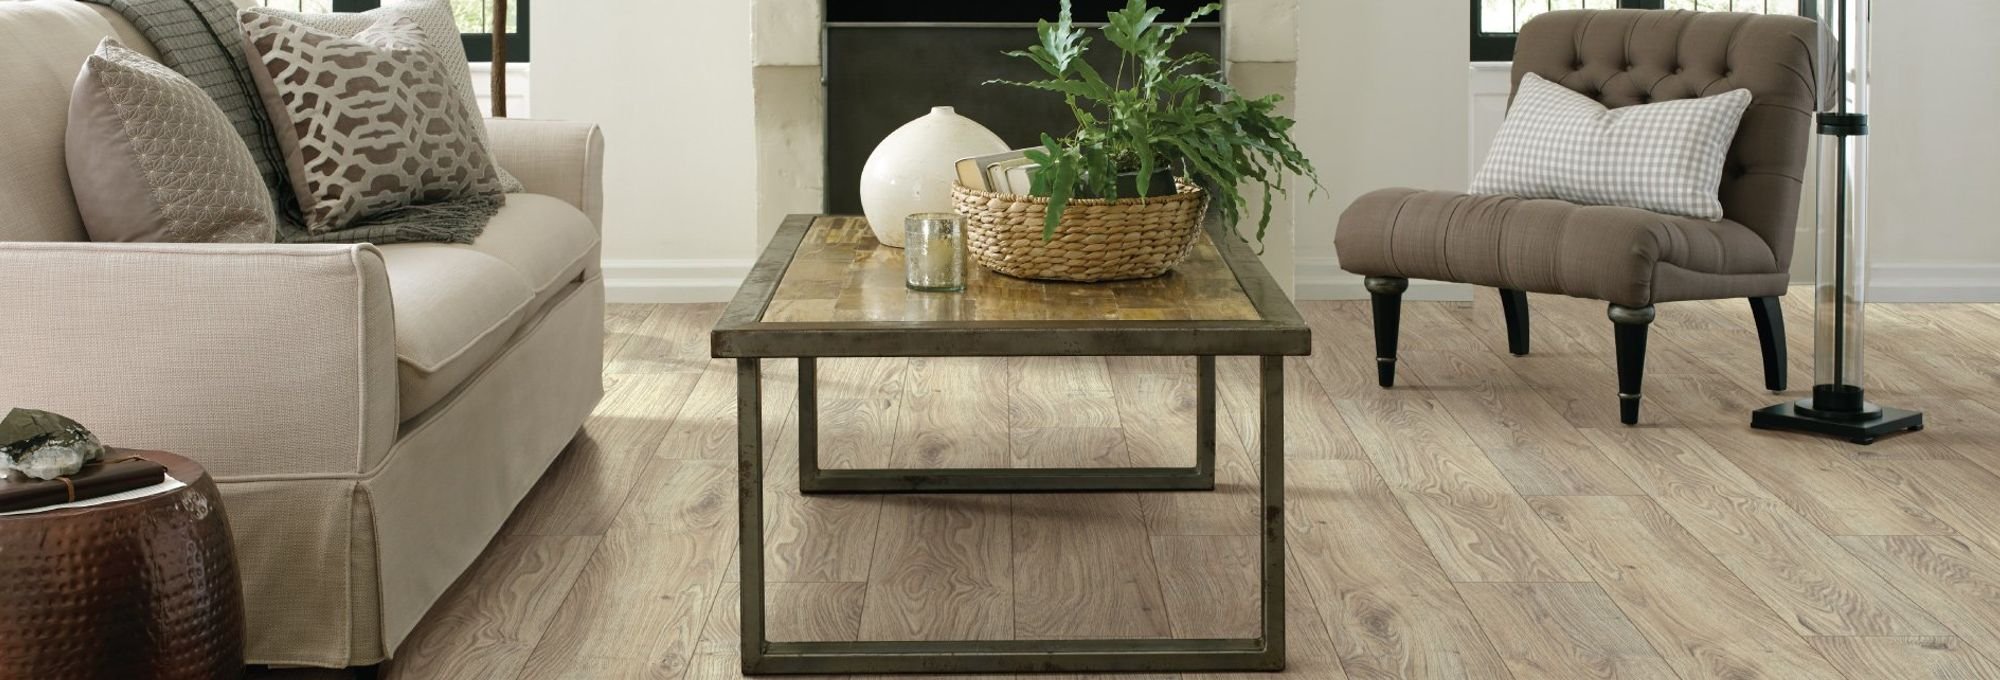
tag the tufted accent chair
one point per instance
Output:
(1627, 257)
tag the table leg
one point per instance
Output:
(1271, 496)
(1266, 652)
(750, 508)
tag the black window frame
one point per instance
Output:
(478, 46)
(1500, 46)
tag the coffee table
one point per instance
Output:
(825, 288)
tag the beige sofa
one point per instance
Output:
(373, 414)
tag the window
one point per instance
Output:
(1494, 22)
(475, 23)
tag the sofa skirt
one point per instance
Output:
(338, 570)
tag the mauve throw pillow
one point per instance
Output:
(369, 123)
(152, 158)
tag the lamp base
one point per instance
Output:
(1862, 427)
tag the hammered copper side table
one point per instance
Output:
(143, 588)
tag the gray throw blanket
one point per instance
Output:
(202, 40)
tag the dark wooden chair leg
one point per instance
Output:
(1631, 324)
(1386, 295)
(1771, 338)
(1514, 304)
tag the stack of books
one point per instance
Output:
(95, 480)
(1001, 173)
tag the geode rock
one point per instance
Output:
(44, 445)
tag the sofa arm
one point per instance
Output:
(554, 158)
(257, 361)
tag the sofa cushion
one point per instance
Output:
(152, 158)
(457, 306)
(42, 46)
(369, 124)
(440, 29)
(1624, 255)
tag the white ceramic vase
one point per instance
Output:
(912, 170)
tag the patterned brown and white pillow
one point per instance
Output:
(369, 123)
(440, 32)
(152, 158)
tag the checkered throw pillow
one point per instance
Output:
(1665, 157)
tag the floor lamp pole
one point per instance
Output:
(1838, 405)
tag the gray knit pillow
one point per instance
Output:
(152, 158)
(1665, 157)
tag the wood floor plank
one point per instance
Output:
(1955, 429)
(1309, 648)
(1158, 412)
(1582, 388)
(954, 414)
(1391, 610)
(488, 625)
(1582, 323)
(1562, 630)
(1312, 429)
(1059, 392)
(1434, 326)
(1468, 514)
(1701, 620)
(681, 495)
(942, 570)
(810, 539)
(1960, 492)
(1488, 323)
(1232, 509)
(1795, 569)
(1674, 462)
(1540, 452)
(793, 612)
(1813, 478)
(638, 606)
(1954, 579)
(1926, 658)
(672, 339)
(1343, 358)
(1083, 568)
(583, 490)
(1210, 584)
(621, 323)
(1062, 447)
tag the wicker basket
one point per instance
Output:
(1097, 240)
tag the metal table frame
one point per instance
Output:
(742, 335)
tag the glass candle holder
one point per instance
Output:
(934, 252)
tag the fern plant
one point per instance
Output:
(1158, 112)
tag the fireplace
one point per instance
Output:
(799, 86)
(887, 63)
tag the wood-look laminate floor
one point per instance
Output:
(1487, 518)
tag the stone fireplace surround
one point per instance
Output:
(1261, 56)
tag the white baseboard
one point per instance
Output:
(1321, 278)
(1890, 282)
(673, 280)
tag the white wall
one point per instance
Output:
(1382, 103)
(1934, 212)
(1385, 98)
(669, 81)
